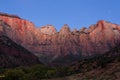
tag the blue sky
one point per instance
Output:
(75, 13)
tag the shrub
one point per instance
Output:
(14, 74)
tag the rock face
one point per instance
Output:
(65, 45)
(12, 54)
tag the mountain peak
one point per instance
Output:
(65, 29)
(101, 23)
(105, 25)
(48, 29)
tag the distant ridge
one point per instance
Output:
(65, 46)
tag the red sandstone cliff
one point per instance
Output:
(49, 45)
(12, 54)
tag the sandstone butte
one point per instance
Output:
(52, 46)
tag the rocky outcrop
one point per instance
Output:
(50, 45)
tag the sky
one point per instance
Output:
(75, 13)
